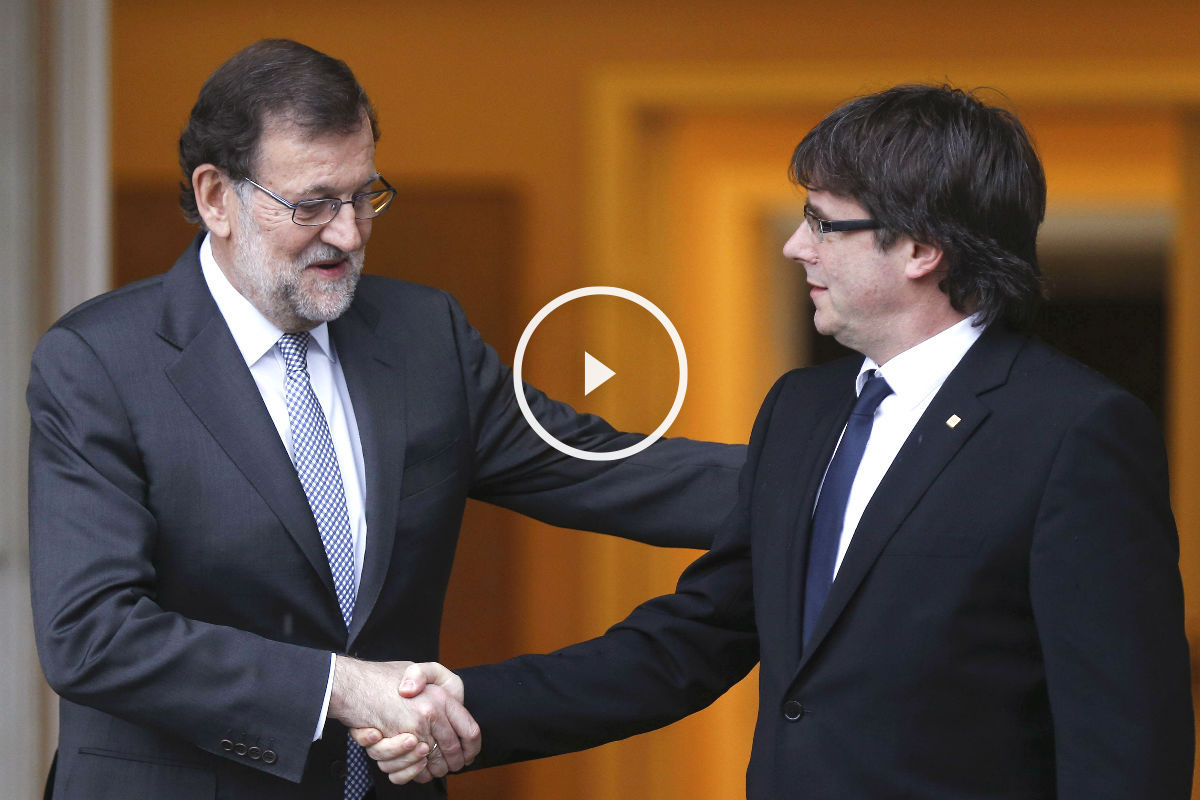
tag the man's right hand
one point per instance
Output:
(415, 709)
(395, 753)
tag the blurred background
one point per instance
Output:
(542, 146)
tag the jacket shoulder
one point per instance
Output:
(126, 305)
(821, 377)
(379, 286)
(389, 304)
(1046, 371)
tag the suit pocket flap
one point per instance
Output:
(430, 470)
(97, 774)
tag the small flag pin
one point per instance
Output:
(953, 421)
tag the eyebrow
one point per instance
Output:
(815, 209)
(323, 190)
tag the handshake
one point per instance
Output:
(409, 717)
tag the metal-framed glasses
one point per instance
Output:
(820, 227)
(323, 210)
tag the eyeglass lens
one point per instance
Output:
(814, 224)
(366, 206)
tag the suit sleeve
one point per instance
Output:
(671, 657)
(676, 493)
(103, 640)
(1108, 605)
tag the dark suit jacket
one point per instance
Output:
(183, 604)
(1007, 622)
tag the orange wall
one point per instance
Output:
(477, 88)
(500, 91)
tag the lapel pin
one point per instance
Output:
(953, 421)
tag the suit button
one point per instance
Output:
(255, 753)
(792, 710)
(240, 749)
(269, 757)
(338, 769)
(226, 745)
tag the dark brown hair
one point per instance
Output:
(936, 164)
(271, 80)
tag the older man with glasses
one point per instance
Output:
(247, 475)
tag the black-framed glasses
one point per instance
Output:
(323, 210)
(820, 227)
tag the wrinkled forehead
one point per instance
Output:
(301, 161)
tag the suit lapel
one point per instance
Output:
(933, 443)
(211, 378)
(374, 371)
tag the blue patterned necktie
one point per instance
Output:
(321, 476)
(830, 513)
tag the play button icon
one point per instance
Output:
(595, 373)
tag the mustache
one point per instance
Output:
(324, 252)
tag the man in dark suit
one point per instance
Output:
(953, 556)
(247, 475)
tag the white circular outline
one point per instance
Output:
(519, 358)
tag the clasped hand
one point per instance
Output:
(409, 717)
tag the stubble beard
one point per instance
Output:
(275, 284)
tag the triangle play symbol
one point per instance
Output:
(594, 373)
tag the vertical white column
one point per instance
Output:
(80, 163)
(22, 759)
(55, 245)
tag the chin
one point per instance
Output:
(325, 314)
(327, 305)
(823, 327)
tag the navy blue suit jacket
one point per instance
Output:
(1007, 621)
(183, 604)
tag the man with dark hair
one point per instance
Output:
(953, 556)
(247, 475)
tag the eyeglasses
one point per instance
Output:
(820, 227)
(321, 211)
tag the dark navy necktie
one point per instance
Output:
(830, 513)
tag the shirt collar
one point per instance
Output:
(254, 334)
(921, 370)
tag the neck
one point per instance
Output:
(907, 336)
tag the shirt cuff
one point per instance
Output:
(325, 705)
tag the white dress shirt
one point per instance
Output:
(915, 377)
(256, 338)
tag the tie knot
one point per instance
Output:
(873, 392)
(294, 347)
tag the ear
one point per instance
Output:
(216, 199)
(923, 259)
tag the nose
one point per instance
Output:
(799, 246)
(344, 231)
